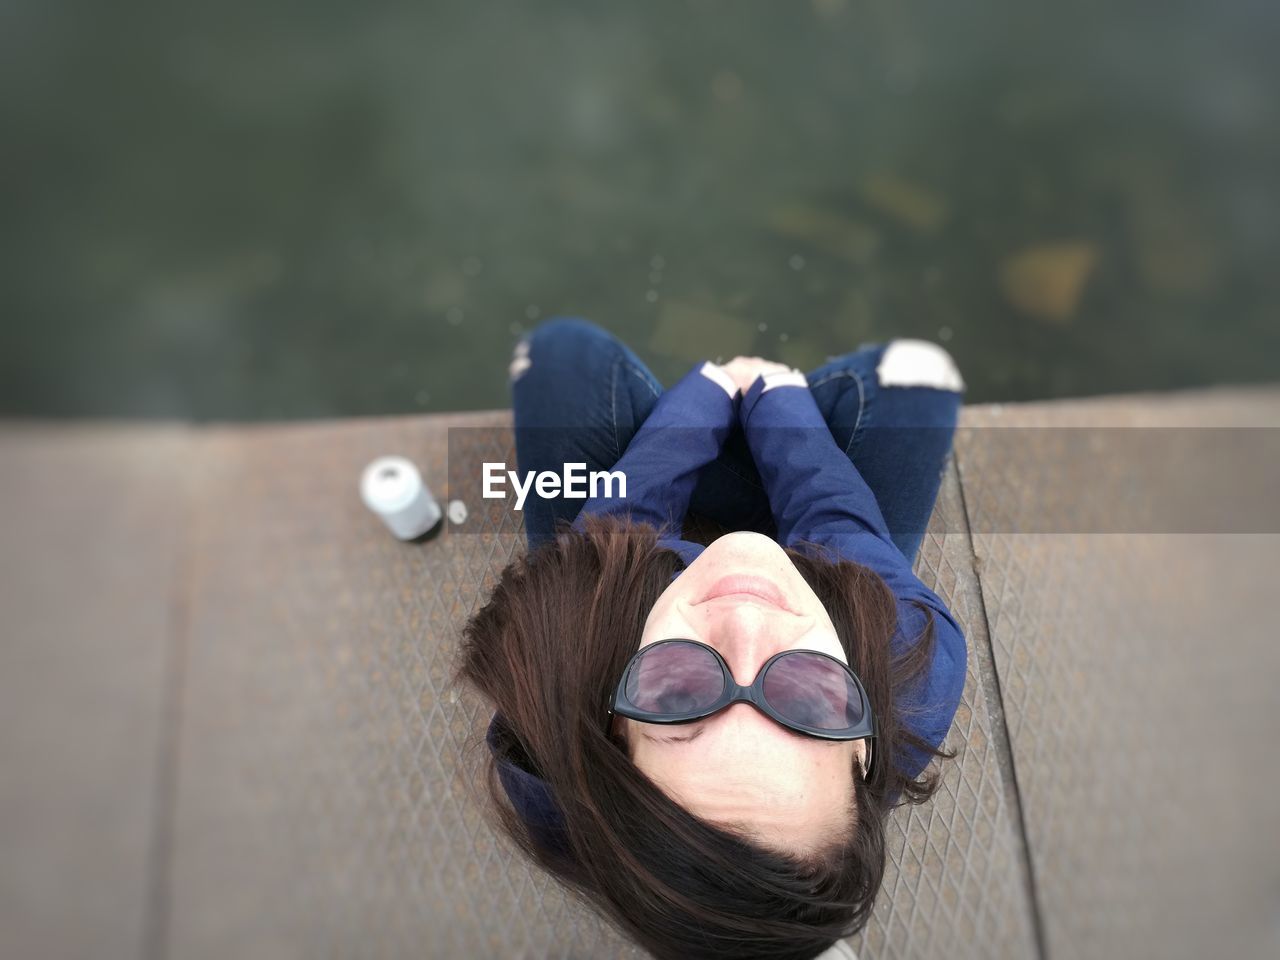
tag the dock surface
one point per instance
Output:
(226, 728)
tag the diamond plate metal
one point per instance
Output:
(1137, 674)
(325, 803)
(955, 886)
(324, 799)
(92, 521)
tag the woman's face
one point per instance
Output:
(744, 597)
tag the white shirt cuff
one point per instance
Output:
(717, 375)
(793, 378)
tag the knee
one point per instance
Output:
(560, 341)
(564, 334)
(918, 363)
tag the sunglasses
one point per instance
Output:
(812, 693)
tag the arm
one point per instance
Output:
(817, 496)
(683, 434)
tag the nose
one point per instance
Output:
(747, 634)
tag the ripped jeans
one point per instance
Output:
(579, 396)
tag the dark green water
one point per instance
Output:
(304, 209)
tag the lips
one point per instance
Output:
(748, 587)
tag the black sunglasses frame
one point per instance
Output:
(753, 694)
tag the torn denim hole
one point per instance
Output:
(918, 363)
(520, 361)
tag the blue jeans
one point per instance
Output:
(579, 396)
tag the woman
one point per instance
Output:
(705, 742)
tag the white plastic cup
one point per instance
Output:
(393, 489)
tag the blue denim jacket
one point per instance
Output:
(816, 496)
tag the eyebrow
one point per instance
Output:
(693, 736)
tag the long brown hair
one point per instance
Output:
(546, 650)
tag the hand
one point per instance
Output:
(744, 370)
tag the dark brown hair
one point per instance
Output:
(547, 649)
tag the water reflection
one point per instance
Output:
(279, 209)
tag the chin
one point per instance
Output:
(746, 537)
(744, 546)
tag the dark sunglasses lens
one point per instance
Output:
(675, 679)
(812, 690)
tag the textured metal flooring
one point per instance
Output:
(1138, 674)
(226, 728)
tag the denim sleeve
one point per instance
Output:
(682, 434)
(817, 496)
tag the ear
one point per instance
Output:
(863, 759)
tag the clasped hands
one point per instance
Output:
(744, 370)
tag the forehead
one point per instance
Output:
(792, 815)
